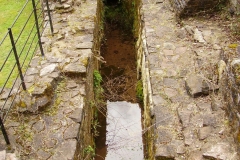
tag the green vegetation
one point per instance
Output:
(98, 90)
(97, 78)
(8, 13)
(89, 151)
(139, 90)
(121, 15)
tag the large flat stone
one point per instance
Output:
(165, 152)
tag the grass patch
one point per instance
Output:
(25, 40)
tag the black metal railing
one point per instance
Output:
(17, 47)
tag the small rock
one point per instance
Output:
(164, 136)
(86, 45)
(39, 126)
(165, 152)
(198, 36)
(170, 92)
(59, 6)
(217, 47)
(189, 29)
(168, 46)
(48, 69)
(209, 120)
(158, 100)
(181, 149)
(74, 68)
(184, 116)
(71, 85)
(44, 39)
(11, 156)
(181, 33)
(65, 150)
(189, 136)
(72, 131)
(216, 104)
(194, 85)
(78, 2)
(32, 71)
(76, 116)
(3, 154)
(43, 154)
(159, 1)
(221, 69)
(66, 6)
(219, 151)
(204, 132)
(196, 155)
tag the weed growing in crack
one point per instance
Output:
(139, 90)
(89, 151)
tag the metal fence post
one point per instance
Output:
(16, 58)
(37, 26)
(4, 132)
(49, 15)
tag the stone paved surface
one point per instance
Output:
(47, 117)
(188, 109)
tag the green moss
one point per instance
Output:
(97, 78)
(139, 90)
(89, 150)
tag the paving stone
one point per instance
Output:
(194, 85)
(48, 69)
(195, 155)
(164, 136)
(43, 154)
(163, 116)
(189, 136)
(32, 71)
(204, 106)
(170, 92)
(50, 143)
(42, 102)
(3, 154)
(165, 152)
(220, 151)
(216, 104)
(65, 150)
(170, 82)
(184, 116)
(85, 45)
(76, 115)
(72, 85)
(158, 100)
(74, 68)
(72, 131)
(39, 126)
(204, 132)
(209, 120)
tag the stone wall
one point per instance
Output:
(143, 74)
(235, 5)
(86, 135)
(189, 7)
(231, 91)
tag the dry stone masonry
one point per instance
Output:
(46, 118)
(186, 75)
(191, 88)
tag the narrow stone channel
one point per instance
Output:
(120, 131)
